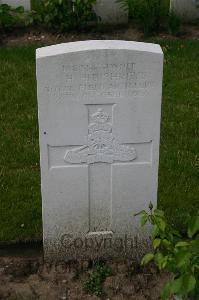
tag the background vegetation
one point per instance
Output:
(151, 16)
(62, 15)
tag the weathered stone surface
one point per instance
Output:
(99, 118)
(187, 9)
(110, 12)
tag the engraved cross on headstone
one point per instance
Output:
(100, 152)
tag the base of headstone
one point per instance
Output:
(97, 248)
(186, 9)
(110, 12)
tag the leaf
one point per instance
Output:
(193, 226)
(166, 243)
(182, 244)
(182, 258)
(143, 220)
(176, 286)
(155, 231)
(143, 217)
(147, 258)
(195, 244)
(142, 212)
(156, 243)
(188, 283)
(195, 268)
(161, 260)
(159, 212)
(176, 233)
(166, 291)
(161, 223)
(180, 286)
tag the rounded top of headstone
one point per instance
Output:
(97, 45)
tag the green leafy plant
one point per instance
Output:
(10, 17)
(65, 14)
(152, 15)
(94, 284)
(174, 253)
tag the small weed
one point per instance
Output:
(94, 284)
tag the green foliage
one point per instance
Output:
(10, 17)
(174, 23)
(64, 14)
(174, 253)
(193, 226)
(152, 15)
(94, 284)
(36, 5)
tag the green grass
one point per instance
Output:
(20, 198)
(19, 151)
(179, 151)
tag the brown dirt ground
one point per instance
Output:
(28, 278)
(40, 36)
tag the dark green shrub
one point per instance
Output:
(65, 14)
(177, 254)
(151, 15)
(174, 23)
(10, 17)
(36, 5)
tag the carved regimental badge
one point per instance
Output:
(101, 144)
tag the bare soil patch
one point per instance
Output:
(29, 36)
(25, 278)
(40, 36)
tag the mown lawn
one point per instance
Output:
(20, 199)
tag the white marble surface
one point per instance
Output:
(110, 12)
(99, 121)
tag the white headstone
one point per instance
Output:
(187, 9)
(16, 3)
(110, 12)
(99, 117)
